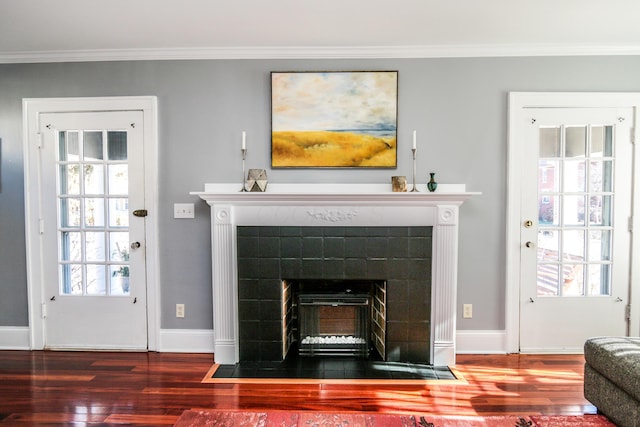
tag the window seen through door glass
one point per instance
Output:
(93, 212)
(575, 209)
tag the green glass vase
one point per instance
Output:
(432, 184)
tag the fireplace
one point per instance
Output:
(329, 206)
(334, 270)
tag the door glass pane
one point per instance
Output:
(117, 145)
(71, 246)
(575, 143)
(118, 179)
(600, 210)
(119, 280)
(69, 212)
(600, 178)
(94, 258)
(599, 279)
(548, 212)
(602, 141)
(96, 279)
(548, 179)
(548, 279)
(94, 212)
(548, 244)
(95, 246)
(68, 146)
(573, 210)
(118, 212)
(573, 245)
(573, 280)
(595, 175)
(69, 179)
(574, 176)
(119, 246)
(94, 179)
(550, 142)
(597, 141)
(71, 278)
(600, 245)
(93, 146)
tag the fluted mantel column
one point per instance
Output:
(444, 274)
(225, 285)
(334, 205)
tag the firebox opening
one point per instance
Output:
(334, 318)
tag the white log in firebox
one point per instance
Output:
(352, 205)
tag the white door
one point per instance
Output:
(575, 239)
(92, 182)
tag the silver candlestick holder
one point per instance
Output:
(414, 189)
(244, 181)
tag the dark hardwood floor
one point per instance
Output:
(78, 388)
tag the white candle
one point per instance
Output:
(414, 139)
(244, 140)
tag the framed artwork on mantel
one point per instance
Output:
(334, 119)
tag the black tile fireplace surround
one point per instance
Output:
(401, 256)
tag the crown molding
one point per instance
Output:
(317, 52)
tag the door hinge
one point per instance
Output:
(627, 312)
(44, 310)
(631, 224)
(633, 135)
(41, 225)
(39, 140)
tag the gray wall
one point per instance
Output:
(458, 107)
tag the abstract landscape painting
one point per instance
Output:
(334, 119)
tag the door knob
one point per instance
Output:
(135, 245)
(530, 244)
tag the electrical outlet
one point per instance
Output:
(467, 311)
(183, 210)
(180, 310)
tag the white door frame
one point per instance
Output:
(518, 102)
(31, 110)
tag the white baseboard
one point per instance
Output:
(14, 338)
(171, 340)
(481, 342)
(201, 340)
(186, 341)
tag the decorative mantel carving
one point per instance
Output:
(332, 215)
(348, 204)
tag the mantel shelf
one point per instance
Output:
(334, 193)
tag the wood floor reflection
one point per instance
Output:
(62, 388)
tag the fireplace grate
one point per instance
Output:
(335, 324)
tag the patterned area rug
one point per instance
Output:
(210, 418)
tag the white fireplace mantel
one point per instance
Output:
(334, 205)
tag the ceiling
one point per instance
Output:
(65, 30)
